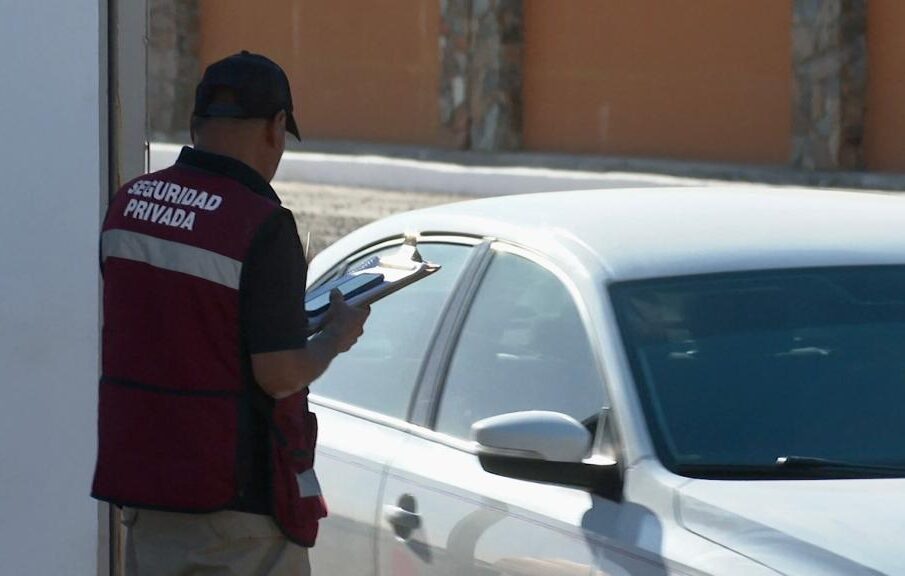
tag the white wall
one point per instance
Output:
(52, 177)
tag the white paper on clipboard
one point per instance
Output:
(398, 269)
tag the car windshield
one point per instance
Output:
(738, 370)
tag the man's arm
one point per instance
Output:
(286, 372)
(274, 323)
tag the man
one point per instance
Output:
(205, 436)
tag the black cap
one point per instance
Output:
(260, 85)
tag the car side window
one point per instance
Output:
(523, 346)
(379, 373)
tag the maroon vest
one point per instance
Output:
(172, 392)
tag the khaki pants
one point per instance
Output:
(223, 543)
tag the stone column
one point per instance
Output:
(829, 68)
(173, 66)
(455, 48)
(481, 74)
(496, 75)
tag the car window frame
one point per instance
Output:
(448, 308)
(430, 390)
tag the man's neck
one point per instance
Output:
(236, 152)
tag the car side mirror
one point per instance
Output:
(544, 447)
(534, 434)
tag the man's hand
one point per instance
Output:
(344, 324)
(284, 373)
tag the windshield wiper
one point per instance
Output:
(791, 467)
(811, 463)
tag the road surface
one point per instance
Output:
(330, 212)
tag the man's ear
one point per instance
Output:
(276, 129)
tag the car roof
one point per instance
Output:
(655, 232)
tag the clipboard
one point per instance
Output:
(370, 281)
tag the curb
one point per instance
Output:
(454, 172)
(389, 173)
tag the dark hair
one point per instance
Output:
(197, 123)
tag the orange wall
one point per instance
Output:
(884, 134)
(697, 79)
(359, 70)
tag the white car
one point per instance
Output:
(660, 381)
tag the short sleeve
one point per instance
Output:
(272, 293)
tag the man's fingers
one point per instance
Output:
(346, 321)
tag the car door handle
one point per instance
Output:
(402, 518)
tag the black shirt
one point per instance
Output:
(271, 313)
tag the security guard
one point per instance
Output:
(205, 436)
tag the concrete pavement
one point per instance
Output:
(332, 193)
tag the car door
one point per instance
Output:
(362, 403)
(522, 345)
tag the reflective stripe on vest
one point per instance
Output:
(173, 256)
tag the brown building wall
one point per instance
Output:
(884, 132)
(691, 79)
(359, 70)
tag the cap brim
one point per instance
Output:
(292, 127)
